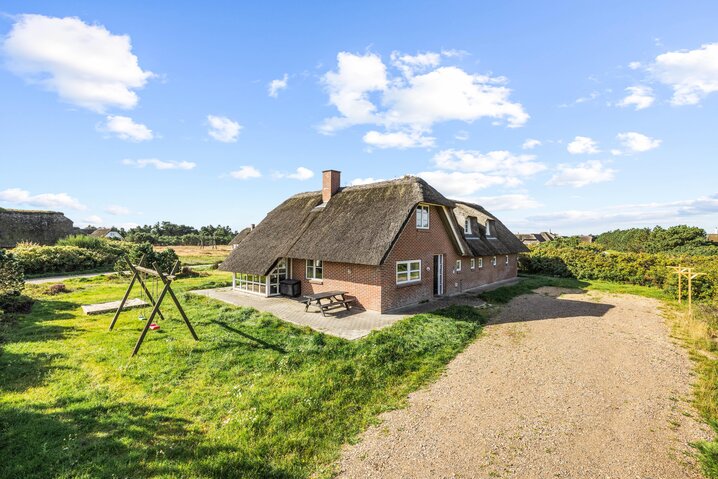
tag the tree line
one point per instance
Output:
(171, 234)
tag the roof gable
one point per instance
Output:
(358, 225)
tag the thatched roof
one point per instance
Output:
(358, 225)
(502, 241)
(240, 236)
(100, 232)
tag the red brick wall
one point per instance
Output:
(375, 287)
(414, 244)
(360, 281)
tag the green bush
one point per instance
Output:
(12, 278)
(165, 260)
(12, 282)
(36, 259)
(592, 261)
(82, 241)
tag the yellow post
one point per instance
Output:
(680, 290)
(690, 292)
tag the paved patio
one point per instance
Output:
(352, 324)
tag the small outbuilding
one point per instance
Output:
(240, 236)
(106, 233)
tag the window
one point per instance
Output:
(458, 265)
(252, 283)
(467, 226)
(315, 269)
(493, 261)
(490, 228)
(422, 217)
(507, 259)
(473, 263)
(481, 262)
(408, 271)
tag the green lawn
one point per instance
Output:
(256, 397)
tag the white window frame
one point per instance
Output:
(422, 213)
(481, 262)
(457, 268)
(409, 271)
(313, 268)
(490, 226)
(507, 259)
(493, 261)
(473, 263)
(467, 226)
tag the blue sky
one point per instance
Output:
(573, 116)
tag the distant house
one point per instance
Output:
(586, 238)
(42, 227)
(240, 236)
(106, 233)
(388, 244)
(713, 237)
(536, 238)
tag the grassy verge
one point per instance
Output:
(256, 397)
(530, 282)
(194, 255)
(699, 332)
(106, 269)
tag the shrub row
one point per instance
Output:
(36, 259)
(645, 269)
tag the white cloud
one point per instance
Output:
(86, 65)
(398, 139)
(92, 220)
(17, 196)
(300, 174)
(415, 95)
(349, 88)
(462, 135)
(494, 162)
(581, 145)
(125, 128)
(364, 181)
(646, 214)
(634, 65)
(223, 129)
(410, 64)
(464, 185)
(692, 74)
(635, 142)
(117, 210)
(639, 96)
(245, 172)
(530, 144)
(159, 164)
(583, 174)
(276, 85)
(508, 202)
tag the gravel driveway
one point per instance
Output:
(585, 385)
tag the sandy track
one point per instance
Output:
(581, 386)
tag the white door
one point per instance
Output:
(439, 275)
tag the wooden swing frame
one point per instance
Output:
(167, 281)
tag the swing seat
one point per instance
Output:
(154, 326)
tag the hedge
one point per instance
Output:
(645, 269)
(36, 259)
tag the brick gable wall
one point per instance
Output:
(375, 287)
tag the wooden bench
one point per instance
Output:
(337, 299)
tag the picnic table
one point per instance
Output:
(328, 301)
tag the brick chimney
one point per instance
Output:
(330, 184)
